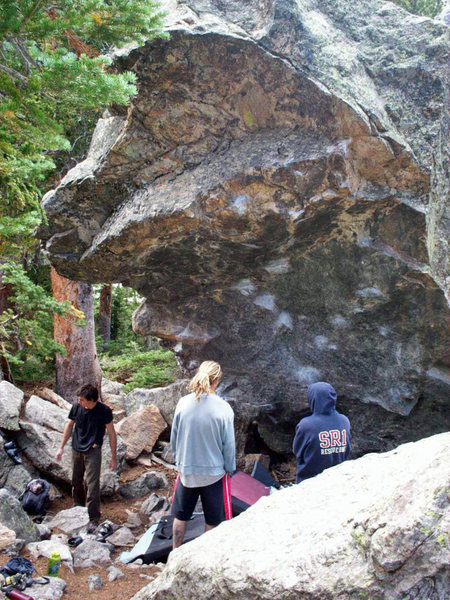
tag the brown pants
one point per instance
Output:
(87, 465)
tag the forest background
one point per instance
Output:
(56, 80)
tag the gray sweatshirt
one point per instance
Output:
(202, 438)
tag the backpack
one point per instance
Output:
(35, 496)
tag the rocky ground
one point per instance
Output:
(133, 500)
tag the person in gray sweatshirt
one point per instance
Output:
(202, 442)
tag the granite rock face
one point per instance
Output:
(277, 192)
(374, 528)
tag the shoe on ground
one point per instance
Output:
(92, 526)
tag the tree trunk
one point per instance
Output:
(80, 365)
(105, 315)
(5, 292)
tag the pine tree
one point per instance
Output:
(55, 75)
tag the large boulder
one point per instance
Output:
(278, 194)
(14, 476)
(12, 516)
(141, 430)
(10, 404)
(376, 528)
(164, 398)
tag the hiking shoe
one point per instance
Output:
(104, 531)
(92, 526)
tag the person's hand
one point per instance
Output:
(113, 464)
(59, 454)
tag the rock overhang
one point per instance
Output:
(269, 223)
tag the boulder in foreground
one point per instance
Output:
(373, 528)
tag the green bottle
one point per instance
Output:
(54, 562)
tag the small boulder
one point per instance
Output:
(111, 387)
(114, 573)
(54, 590)
(12, 516)
(7, 537)
(95, 582)
(144, 484)
(51, 396)
(91, 554)
(47, 547)
(71, 520)
(141, 430)
(122, 537)
(133, 519)
(45, 413)
(154, 503)
(10, 403)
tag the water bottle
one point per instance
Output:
(54, 562)
(18, 595)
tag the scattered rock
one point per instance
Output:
(141, 430)
(12, 475)
(122, 537)
(114, 573)
(118, 415)
(91, 554)
(154, 503)
(110, 483)
(47, 547)
(133, 519)
(44, 531)
(10, 404)
(95, 582)
(12, 516)
(71, 520)
(54, 493)
(7, 537)
(54, 590)
(371, 528)
(158, 515)
(166, 453)
(144, 484)
(51, 396)
(111, 387)
(15, 548)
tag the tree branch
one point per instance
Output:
(23, 81)
(26, 57)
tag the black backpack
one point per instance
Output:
(35, 496)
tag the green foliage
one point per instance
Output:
(55, 80)
(141, 369)
(24, 328)
(54, 68)
(428, 8)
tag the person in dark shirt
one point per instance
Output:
(321, 440)
(88, 421)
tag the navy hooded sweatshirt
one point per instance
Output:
(323, 439)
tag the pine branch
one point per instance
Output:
(26, 57)
(23, 81)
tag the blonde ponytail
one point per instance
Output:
(207, 374)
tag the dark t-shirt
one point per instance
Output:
(89, 425)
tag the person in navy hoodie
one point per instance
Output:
(321, 440)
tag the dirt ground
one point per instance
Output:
(115, 510)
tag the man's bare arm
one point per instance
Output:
(66, 436)
(113, 443)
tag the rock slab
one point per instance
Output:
(376, 528)
(141, 430)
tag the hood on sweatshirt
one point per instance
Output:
(321, 397)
